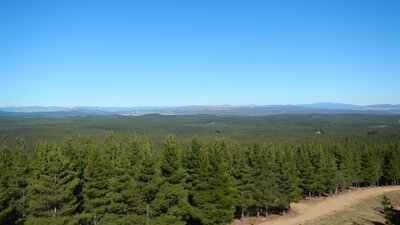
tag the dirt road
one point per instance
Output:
(308, 210)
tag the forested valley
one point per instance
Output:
(202, 182)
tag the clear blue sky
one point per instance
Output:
(142, 53)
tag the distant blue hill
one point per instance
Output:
(317, 108)
(330, 105)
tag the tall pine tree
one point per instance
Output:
(143, 190)
(243, 181)
(171, 200)
(265, 175)
(194, 160)
(368, 166)
(95, 186)
(119, 178)
(18, 182)
(213, 193)
(52, 199)
(306, 169)
(288, 180)
(6, 207)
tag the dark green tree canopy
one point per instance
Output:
(133, 181)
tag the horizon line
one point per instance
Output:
(192, 105)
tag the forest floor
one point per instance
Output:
(341, 209)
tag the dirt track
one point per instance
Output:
(308, 210)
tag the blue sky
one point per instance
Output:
(143, 53)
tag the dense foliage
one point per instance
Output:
(130, 181)
(265, 129)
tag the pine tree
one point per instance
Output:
(76, 153)
(52, 199)
(131, 147)
(18, 181)
(194, 159)
(379, 160)
(306, 170)
(368, 167)
(348, 167)
(318, 162)
(143, 190)
(119, 167)
(171, 200)
(265, 176)
(387, 210)
(243, 181)
(256, 164)
(330, 172)
(213, 195)
(391, 165)
(6, 208)
(111, 151)
(131, 182)
(396, 159)
(288, 180)
(356, 170)
(95, 186)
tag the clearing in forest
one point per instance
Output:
(307, 211)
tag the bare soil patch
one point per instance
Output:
(318, 210)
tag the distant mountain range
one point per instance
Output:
(317, 108)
